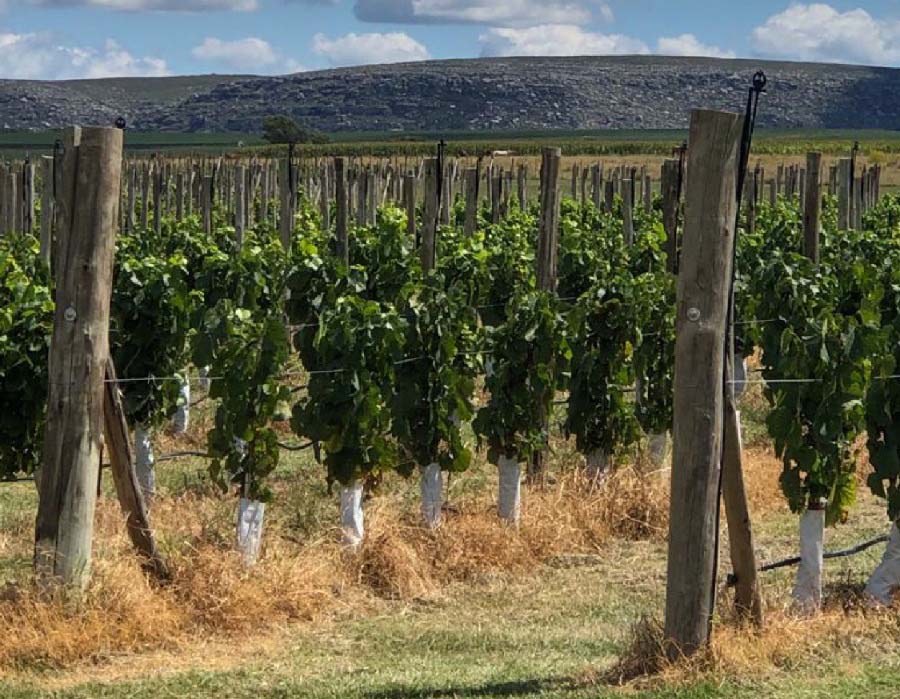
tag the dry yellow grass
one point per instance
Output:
(212, 595)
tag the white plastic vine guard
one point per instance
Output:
(144, 461)
(250, 529)
(352, 522)
(807, 592)
(740, 376)
(886, 578)
(597, 467)
(183, 413)
(204, 378)
(510, 495)
(431, 487)
(658, 447)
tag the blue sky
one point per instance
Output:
(57, 39)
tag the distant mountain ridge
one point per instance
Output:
(589, 92)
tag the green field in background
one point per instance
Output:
(572, 142)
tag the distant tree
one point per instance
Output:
(283, 129)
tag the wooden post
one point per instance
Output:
(521, 187)
(179, 197)
(47, 208)
(843, 192)
(206, 202)
(129, 210)
(157, 197)
(812, 208)
(128, 489)
(239, 214)
(430, 216)
(145, 196)
(704, 284)
(15, 203)
(285, 195)
(78, 357)
(342, 243)
(409, 201)
(670, 203)
(471, 222)
(28, 197)
(546, 261)
(628, 211)
(446, 199)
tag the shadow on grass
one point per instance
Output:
(512, 688)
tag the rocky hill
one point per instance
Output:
(589, 92)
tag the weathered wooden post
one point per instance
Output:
(702, 320)
(28, 197)
(179, 197)
(206, 202)
(471, 222)
(430, 215)
(670, 204)
(79, 352)
(843, 193)
(239, 200)
(340, 211)
(812, 208)
(546, 266)
(47, 208)
(409, 200)
(628, 211)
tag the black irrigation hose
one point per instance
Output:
(829, 555)
(181, 455)
(296, 447)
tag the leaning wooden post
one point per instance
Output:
(701, 328)
(128, 488)
(79, 352)
(430, 216)
(670, 203)
(546, 262)
(812, 209)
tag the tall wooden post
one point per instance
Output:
(670, 204)
(546, 260)
(78, 357)
(239, 200)
(342, 243)
(843, 192)
(812, 209)
(628, 210)
(471, 222)
(409, 202)
(286, 201)
(28, 197)
(701, 328)
(47, 208)
(430, 216)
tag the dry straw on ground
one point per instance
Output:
(213, 595)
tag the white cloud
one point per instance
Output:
(689, 45)
(243, 54)
(155, 5)
(556, 40)
(497, 12)
(819, 32)
(252, 55)
(39, 56)
(358, 49)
